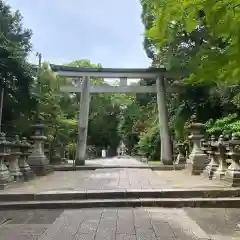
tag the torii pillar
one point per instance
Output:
(166, 147)
(83, 122)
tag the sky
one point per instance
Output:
(109, 32)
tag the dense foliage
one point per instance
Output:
(199, 39)
(15, 72)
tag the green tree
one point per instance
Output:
(16, 75)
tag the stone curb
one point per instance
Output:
(121, 194)
(138, 202)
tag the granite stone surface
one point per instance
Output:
(121, 223)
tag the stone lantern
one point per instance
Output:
(213, 154)
(197, 159)
(38, 160)
(222, 168)
(13, 159)
(56, 157)
(232, 175)
(59, 152)
(64, 159)
(5, 176)
(23, 164)
(181, 154)
(186, 148)
(205, 145)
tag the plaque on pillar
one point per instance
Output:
(13, 159)
(23, 164)
(213, 154)
(5, 177)
(38, 161)
(232, 175)
(197, 159)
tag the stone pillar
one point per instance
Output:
(232, 175)
(197, 160)
(38, 160)
(5, 176)
(13, 159)
(166, 149)
(83, 122)
(222, 168)
(23, 165)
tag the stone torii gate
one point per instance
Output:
(123, 74)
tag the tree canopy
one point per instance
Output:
(16, 74)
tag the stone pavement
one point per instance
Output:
(115, 161)
(183, 179)
(121, 224)
(113, 179)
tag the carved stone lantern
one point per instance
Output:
(197, 159)
(222, 167)
(38, 160)
(205, 146)
(232, 175)
(186, 149)
(64, 159)
(181, 154)
(56, 157)
(23, 164)
(13, 159)
(213, 154)
(5, 176)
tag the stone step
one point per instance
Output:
(154, 167)
(121, 194)
(136, 202)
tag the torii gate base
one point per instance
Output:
(85, 88)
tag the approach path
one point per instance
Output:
(117, 223)
(113, 179)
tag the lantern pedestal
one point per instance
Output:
(38, 161)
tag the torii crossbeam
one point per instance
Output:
(85, 88)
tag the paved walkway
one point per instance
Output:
(121, 224)
(115, 161)
(114, 179)
(118, 224)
